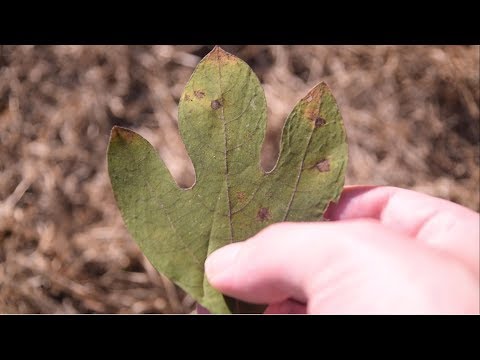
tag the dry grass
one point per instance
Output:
(412, 118)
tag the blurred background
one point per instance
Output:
(411, 114)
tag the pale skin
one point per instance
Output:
(385, 251)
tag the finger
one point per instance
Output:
(286, 307)
(439, 223)
(280, 261)
(201, 310)
(350, 266)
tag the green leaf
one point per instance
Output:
(222, 120)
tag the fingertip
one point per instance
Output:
(218, 264)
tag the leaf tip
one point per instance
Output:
(218, 54)
(316, 92)
(123, 134)
(312, 101)
(217, 49)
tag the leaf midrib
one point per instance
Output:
(225, 144)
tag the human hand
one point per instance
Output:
(389, 250)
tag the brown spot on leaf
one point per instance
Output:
(216, 104)
(241, 196)
(319, 121)
(199, 94)
(263, 214)
(186, 97)
(323, 166)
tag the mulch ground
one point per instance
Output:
(411, 114)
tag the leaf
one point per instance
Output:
(222, 120)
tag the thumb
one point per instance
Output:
(346, 266)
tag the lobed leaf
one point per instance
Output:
(222, 120)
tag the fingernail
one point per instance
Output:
(219, 262)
